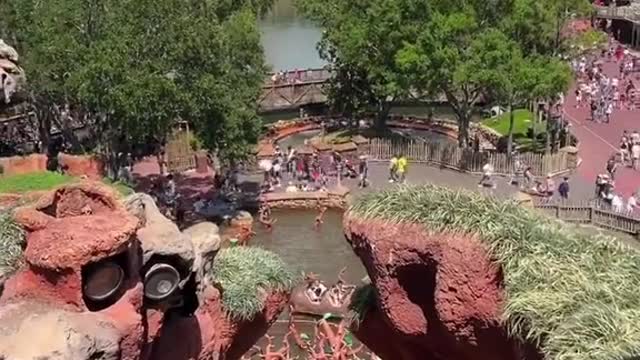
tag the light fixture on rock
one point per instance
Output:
(103, 281)
(161, 281)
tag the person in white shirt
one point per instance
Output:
(291, 188)
(617, 204)
(635, 155)
(632, 203)
(487, 171)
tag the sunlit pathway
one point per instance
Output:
(599, 141)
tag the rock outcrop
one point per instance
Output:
(89, 166)
(438, 295)
(12, 77)
(86, 289)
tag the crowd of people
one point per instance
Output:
(604, 95)
(601, 93)
(311, 171)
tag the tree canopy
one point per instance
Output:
(466, 51)
(132, 68)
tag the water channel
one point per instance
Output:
(289, 40)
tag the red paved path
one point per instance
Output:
(599, 141)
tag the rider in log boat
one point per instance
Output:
(314, 297)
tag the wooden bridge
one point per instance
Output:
(618, 13)
(297, 88)
(293, 89)
(630, 14)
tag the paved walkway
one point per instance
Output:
(419, 173)
(598, 141)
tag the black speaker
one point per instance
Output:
(160, 282)
(103, 281)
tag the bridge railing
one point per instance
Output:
(618, 12)
(296, 77)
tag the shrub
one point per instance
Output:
(571, 294)
(12, 242)
(246, 275)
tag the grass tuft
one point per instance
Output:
(12, 241)
(573, 295)
(246, 275)
(362, 300)
(38, 181)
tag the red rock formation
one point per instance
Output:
(17, 165)
(89, 166)
(439, 295)
(214, 333)
(84, 224)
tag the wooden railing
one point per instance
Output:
(297, 77)
(593, 212)
(618, 12)
(451, 156)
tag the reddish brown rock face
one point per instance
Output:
(439, 296)
(16, 165)
(75, 229)
(87, 166)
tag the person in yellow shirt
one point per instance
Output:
(401, 168)
(393, 167)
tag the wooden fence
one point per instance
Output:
(451, 156)
(180, 154)
(593, 212)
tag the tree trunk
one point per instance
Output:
(536, 120)
(43, 119)
(382, 115)
(463, 130)
(547, 135)
(510, 133)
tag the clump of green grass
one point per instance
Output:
(362, 300)
(574, 296)
(12, 241)
(37, 181)
(122, 188)
(245, 275)
(523, 120)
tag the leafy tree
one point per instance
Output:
(131, 68)
(555, 78)
(446, 58)
(361, 40)
(538, 25)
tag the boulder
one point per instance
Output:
(158, 235)
(438, 295)
(215, 335)
(7, 52)
(33, 331)
(12, 77)
(205, 238)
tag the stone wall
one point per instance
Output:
(16, 165)
(73, 165)
(82, 165)
(334, 199)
